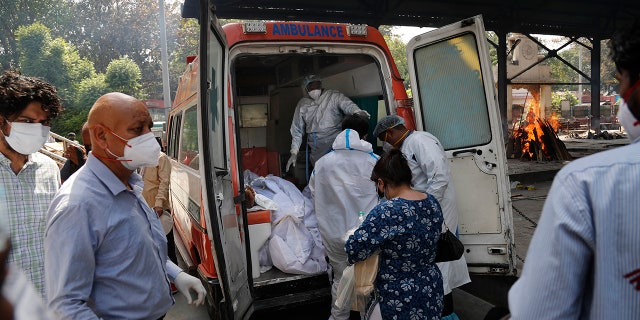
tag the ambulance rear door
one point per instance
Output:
(217, 167)
(455, 99)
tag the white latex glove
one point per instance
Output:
(363, 113)
(292, 160)
(185, 282)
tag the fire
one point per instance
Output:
(533, 131)
(535, 138)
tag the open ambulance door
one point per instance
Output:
(217, 167)
(455, 99)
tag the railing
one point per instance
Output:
(65, 142)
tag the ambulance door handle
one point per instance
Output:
(221, 172)
(479, 152)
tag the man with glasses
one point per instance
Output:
(28, 179)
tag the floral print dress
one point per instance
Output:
(408, 283)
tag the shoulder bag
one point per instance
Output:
(450, 248)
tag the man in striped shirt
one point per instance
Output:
(28, 179)
(584, 258)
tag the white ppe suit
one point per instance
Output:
(321, 119)
(431, 174)
(340, 188)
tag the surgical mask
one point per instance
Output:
(628, 121)
(315, 94)
(625, 116)
(27, 138)
(141, 151)
(386, 147)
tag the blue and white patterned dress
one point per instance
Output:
(409, 284)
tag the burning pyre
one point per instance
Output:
(534, 138)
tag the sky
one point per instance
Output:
(406, 33)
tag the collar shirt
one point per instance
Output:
(24, 198)
(106, 251)
(431, 173)
(583, 261)
(156, 183)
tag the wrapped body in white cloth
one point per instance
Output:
(295, 245)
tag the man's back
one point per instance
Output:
(592, 213)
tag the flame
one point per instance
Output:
(533, 130)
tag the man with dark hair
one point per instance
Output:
(358, 123)
(28, 179)
(584, 258)
(76, 155)
(340, 188)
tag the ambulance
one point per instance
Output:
(232, 113)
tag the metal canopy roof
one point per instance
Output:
(584, 18)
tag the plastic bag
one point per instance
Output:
(365, 276)
(345, 292)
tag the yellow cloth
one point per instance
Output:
(156, 183)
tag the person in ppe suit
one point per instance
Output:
(319, 115)
(431, 174)
(340, 188)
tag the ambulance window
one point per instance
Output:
(451, 92)
(189, 139)
(172, 146)
(217, 105)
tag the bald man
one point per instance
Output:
(106, 252)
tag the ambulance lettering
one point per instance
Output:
(293, 29)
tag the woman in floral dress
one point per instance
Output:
(405, 228)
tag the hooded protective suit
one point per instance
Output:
(340, 188)
(321, 119)
(431, 174)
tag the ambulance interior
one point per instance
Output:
(266, 91)
(268, 87)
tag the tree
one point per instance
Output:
(16, 13)
(123, 75)
(558, 97)
(54, 60)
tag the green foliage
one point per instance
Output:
(399, 53)
(123, 75)
(89, 90)
(493, 51)
(33, 45)
(558, 97)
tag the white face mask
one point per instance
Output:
(386, 147)
(315, 94)
(27, 138)
(141, 151)
(628, 121)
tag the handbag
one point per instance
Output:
(450, 248)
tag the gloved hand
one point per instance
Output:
(185, 282)
(292, 160)
(363, 113)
